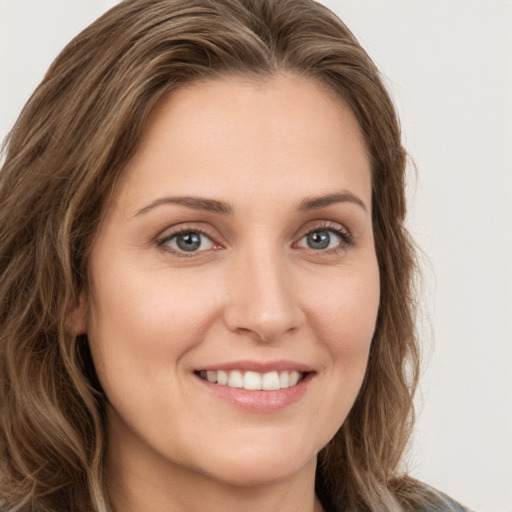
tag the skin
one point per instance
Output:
(255, 290)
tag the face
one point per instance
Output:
(234, 283)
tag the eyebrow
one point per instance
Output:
(195, 203)
(216, 206)
(316, 203)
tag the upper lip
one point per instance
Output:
(259, 366)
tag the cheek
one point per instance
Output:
(346, 310)
(346, 319)
(343, 315)
(142, 320)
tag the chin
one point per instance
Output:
(263, 465)
(255, 474)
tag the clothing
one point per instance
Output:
(451, 505)
(440, 503)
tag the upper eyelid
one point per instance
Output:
(162, 241)
(184, 227)
(325, 225)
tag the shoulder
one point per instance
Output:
(439, 502)
(406, 494)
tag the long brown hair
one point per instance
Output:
(62, 160)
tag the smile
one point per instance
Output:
(251, 380)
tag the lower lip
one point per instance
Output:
(260, 400)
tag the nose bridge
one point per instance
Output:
(263, 300)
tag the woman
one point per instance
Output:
(206, 285)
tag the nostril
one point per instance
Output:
(266, 323)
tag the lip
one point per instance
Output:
(247, 365)
(259, 400)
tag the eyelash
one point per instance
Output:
(163, 240)
(346, 239)
(344, 235)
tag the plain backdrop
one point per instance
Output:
(448, 65)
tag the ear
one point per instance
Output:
(76, 321)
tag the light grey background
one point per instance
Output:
(448, 64)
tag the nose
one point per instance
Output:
(263, 301)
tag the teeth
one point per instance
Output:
(222, 378)
(284, 380)
(294, 378)
(250, 380)
(236, 379)
(270, 381)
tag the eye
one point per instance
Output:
(324, 239)
(187, 241)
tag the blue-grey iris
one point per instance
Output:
(189, 241)
(318, 239)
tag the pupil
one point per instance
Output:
(319, 240)
(189, 241)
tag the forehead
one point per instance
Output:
(249, 134)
